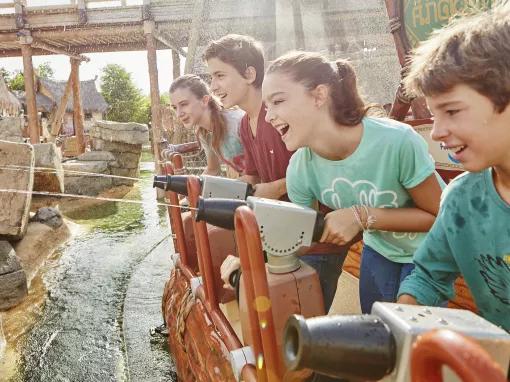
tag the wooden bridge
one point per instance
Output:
(82, 27)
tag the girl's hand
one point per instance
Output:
(230, 264)
(340, 228)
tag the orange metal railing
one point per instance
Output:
(205, 292)
(464, 356)
(257, 295)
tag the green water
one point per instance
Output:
(81, 333)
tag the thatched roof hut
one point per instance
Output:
(8, 101)
(50, 92)
(92, 100)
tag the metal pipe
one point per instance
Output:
(464, 356)
(247, 231)
(176, 221)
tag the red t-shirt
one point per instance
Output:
(265, 155)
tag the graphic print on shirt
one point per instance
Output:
(366, 193)
(496, 274)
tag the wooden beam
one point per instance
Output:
(54, 49)
(56, 122)
(77, 108)
(155, 100)
(161, 37)
(196, 26)
(82, 11)
(28, 74)
(176, 64)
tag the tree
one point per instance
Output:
(44, 70)
(125, 99)
(5, 74)
(16, 79)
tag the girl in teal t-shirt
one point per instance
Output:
(375, 173)
(217, 129)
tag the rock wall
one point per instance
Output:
(49, 173)
(13, 280)
(15, 206)
(11, 129)
(116, 150)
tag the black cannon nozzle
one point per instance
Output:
(218, 211)
(351, 347)
(175, 183)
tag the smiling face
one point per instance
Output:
(227, 83)
(188, 107)
(291, 109)
(468, 125)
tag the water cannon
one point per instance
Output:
(281, 244)
(212, 186)
(378, 346)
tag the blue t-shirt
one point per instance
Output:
(390, 159)
(470, 237)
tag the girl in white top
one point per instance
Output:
(217, 129)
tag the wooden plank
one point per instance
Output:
(56, 123)
(28, 74)
(53, 49)
(155, 100)
(196, 26)
(176, 64)
(77, 106)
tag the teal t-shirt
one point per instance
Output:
(232, 150)
(390, 159)
(470, 237)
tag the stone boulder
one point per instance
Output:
(124, 132)
(49, 216)
(50, 174)
(13, 280)
(15, 206)
(84, 184)
(11, 129)
(91, 156)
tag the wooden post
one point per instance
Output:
(176, 64)
(28, 74)
(56, 122)
(196, 27)
(299, 32)
(154, 86)
(77, 109)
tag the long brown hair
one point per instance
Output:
(313, 69)
(199, 88)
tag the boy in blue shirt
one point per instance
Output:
(464, 73)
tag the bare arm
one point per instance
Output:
(426, 197)
(341, 225)
(407, 299)
(213, 165)
(252, 179)
(271, 190)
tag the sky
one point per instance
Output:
(134, 62)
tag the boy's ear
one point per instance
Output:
(250, 74)
(320, 95)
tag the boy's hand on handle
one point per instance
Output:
(229, 265)
(340, 227)
(407, 299)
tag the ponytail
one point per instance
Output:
(312, 69)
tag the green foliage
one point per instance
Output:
(44, 70)
(5, 74)
(124, 98)
(17, 81)
(143, 113)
